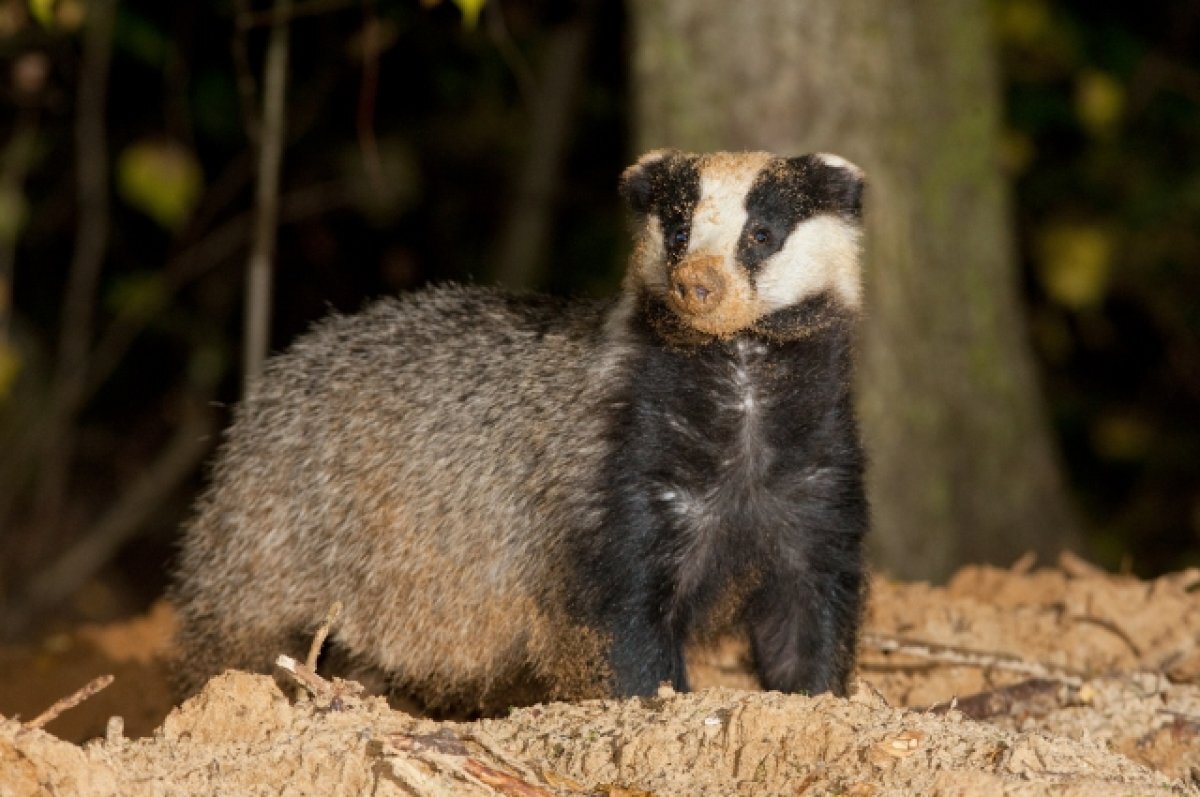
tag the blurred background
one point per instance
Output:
(1031, 357)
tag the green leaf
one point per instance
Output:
(1074, 264)
(1099, 101)
(1023, 21)
(470, 11)
(42, 11)
(162, 179)
(58, 15)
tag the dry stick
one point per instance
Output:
(266, 200)
(124, 518)
(99, 544)
(1035, 697)
(15, 161)
(180, 271)
(246, 89)
(490, 746)
(1112, 628)
(314, 650)
(305, 676)
(511, 54)
(951, 654)
(91, 243)
(447, 753)
(69, 702)
(196, 261)
(526, 231)
(368, 91)
(502, 781)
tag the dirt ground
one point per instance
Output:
(1027, 681)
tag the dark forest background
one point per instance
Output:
(431, 141)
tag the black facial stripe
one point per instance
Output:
(833, 189)
(668, 188)
(675, 196)
(775, 203)
(787, 192)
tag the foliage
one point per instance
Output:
(160, 178)
(1104, 104)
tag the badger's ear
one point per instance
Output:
(837, 183)
(637, 181)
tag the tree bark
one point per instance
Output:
(962, 464)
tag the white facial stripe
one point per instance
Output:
(720, 214)
(649, 254)
(821, 253)
(839, 162)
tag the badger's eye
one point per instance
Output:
(761, 235)
(679, 237)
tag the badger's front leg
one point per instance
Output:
(803, 628)
(627, 592)
(646, 650)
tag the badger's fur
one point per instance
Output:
(519, 498)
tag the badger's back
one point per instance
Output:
(420, 462)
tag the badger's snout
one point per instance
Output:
(697, 286)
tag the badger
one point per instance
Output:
(519, 498)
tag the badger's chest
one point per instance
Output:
(723, 449)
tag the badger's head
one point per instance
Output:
(729, 242)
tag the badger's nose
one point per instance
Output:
(698, 286)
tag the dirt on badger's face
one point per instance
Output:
(727, 240)
(520, 498)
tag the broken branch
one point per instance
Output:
(69, 702)
(951, 654)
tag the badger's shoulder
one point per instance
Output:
(447, 333)
(412, 383)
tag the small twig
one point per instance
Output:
(247, 88)
(502, 781)
(87, 260)
(69, 702)
(114, 731)
(1076, 566)
(1035, 697)
(318, 640)
(1024, 563)
(524, 237)
(331, 695)
(950, 654)
(1113, 628)
(443, 741)
(368, 92)
(15, 160)
(489, 745)
(184, 268)
(305, 676)
(511, 55)
(448, 753)
(266, 197)
(96, 548)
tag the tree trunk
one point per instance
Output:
(962, 465)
